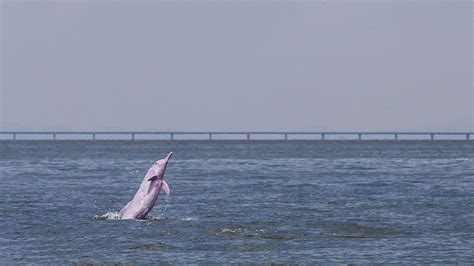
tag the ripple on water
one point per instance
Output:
(355, 230)
(239, 231)
(151, 246)
(234, 202)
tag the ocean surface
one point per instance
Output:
(239, 201)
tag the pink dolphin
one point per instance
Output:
(146, 196)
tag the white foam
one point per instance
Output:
(109, 216)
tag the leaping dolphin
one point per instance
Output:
(146, 196)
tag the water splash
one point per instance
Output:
(118, 216)
(109, 216)
(162, 210)
(134, 171)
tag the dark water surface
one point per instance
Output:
(239, 201)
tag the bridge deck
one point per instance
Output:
(283, 135)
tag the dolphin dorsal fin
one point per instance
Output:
(165, 187)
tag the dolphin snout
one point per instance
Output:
(169, 156)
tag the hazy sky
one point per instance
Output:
(237, 65)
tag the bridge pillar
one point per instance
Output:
(360, 136)
(432, 136)
(54, 136)
(133, 136)
(323, 136)
(467, 136)
(286, 136)
(14, 136)
(210, 136)
(93, 136)
(396, 136)
(171, 136)
(248, 136)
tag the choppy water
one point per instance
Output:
(239, 201)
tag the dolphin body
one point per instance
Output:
(147, 194)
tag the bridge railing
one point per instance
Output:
(210, 135)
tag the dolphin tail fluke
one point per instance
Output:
(165, 187)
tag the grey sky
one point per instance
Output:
(237, 65)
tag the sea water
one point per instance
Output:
(239, 201)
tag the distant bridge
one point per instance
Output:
(209, 135)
